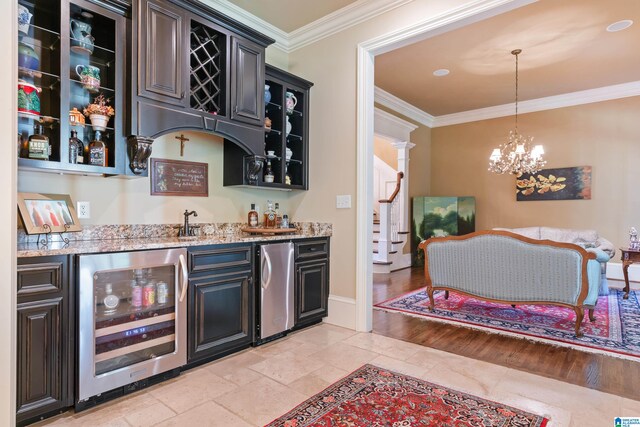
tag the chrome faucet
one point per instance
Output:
(186, 229)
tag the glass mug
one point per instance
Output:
(89, 77)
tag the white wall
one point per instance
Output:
(8, 130)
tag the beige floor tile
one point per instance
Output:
(115, 409)
(323, 335)
(261, 401)
(239, 376)
(331, 374)
(239, 360)
(275, 348)
(344, 356)
(630, 408)
(287, 367)
(309, 385)
(428, 358)
(466, 375)
(209, 414)
(193, 389)
(383, 345)
(558, 417)
(149, 415)
(399, 366)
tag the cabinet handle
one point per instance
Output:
(185, 277)
(235, 109)
(182, 95)
(265, 283)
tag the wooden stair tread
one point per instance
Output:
(383, 262)
(375, 251)
(403, 232)
(393, 243)
(376, 221)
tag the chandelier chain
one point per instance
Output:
(516, 54)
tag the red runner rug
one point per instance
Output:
(373, 396)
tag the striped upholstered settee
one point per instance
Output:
(510, 268)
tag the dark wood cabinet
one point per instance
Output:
(162, 58)
(311, 281)
(247, 76)
(221, 314)
(286, 142)
(221, 303)
(45, 338)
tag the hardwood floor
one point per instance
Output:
(599, 372)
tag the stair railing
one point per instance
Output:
(389, 222)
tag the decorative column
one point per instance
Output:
(403, 148)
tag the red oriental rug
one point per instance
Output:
(616, 331)
(373, 396)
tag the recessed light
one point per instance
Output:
(620, 25)
(441, 72)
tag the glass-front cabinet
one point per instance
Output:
(71, 87)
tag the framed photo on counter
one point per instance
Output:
(47, 213)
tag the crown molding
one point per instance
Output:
(388, 100)
(391, 127)
(339, 20)
(239, 14)
(589, 96)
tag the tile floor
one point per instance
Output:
(255, 386)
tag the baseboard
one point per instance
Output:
(342, 312)
(614, 272)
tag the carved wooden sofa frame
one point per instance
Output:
(537, 248)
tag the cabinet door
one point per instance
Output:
(312, 291)
(247, 82)
(40, 377)
(163, 52)
(220, 314)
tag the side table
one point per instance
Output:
(629, 257)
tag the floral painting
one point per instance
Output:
(555, 184)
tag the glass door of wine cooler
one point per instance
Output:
(132, 317)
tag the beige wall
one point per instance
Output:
(128, 201)
(603, 135)
(385, 151)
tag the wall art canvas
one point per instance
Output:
(438, 217)
(555, 184)
(47, 213)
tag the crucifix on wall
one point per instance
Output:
(182, 140)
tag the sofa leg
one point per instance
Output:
(431, 301)
(579, 315)
(513, 305)
(446, 294)
(592, 317)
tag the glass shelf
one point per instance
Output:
(295, 113)
(95, 46)
(273, 105)
(294, 161)
(43, 38)
(268, 132)
(292, 136)
(108, 89)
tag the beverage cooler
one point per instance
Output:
(132, 318)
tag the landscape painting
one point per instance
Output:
(555, 184)
(440, 216)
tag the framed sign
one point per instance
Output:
(178, 178)
(47, 213)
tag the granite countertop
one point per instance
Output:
(97, 245)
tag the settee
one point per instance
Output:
(588, 239)
(510, 268)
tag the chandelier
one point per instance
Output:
(517, 156)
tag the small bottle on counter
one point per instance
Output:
(252, 216)
(270, 216)
(98, 152)
(285, 221)
(278, 217)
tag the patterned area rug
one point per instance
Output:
(374, 397)
(616, 330)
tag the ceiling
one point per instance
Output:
(289, 15)
(565, 48)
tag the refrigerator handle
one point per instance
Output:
(185, 277)
(265, 283)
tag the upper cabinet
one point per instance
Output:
(71, 53)
(163, 59)
(197, 69)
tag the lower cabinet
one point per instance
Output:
(221, 301)
(311, 281)
(45, 374)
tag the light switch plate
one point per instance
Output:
(84, 210)
(343, 201)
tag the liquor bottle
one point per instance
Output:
(278, 217)
(110, 301)
(252, 216)
(38, 146)
(285, 221)
(81, 151)
(270, 216)
(74, 145)
(98, 151)
(268, 173)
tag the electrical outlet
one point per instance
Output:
(84, 210)
(343, 202)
